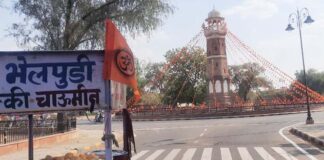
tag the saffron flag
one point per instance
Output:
(119, 60)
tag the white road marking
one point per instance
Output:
(283, 153)
(263, 153)
(172, 154)
(294, 144)
(167, 128)
(154, 155)
(189, 154)
(226, 154)
(201, 134)
(244, 153)
(207, 154)
(139, 155)
(313, 148)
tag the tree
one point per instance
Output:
(151, 98)
(79, 24)
(315, 79)
(145, 74)
(247, 77)
(141, 81)
(155, 77)
(185, 81)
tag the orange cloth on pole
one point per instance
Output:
(119, 60)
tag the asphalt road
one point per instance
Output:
(224, 139)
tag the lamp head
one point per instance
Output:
(308, 19)
(289, 28)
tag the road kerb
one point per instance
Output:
(281, 132)
(217, 117)
(314, 140)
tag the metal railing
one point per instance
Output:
(11, 131)
(174, 111)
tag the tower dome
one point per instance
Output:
(213, 14)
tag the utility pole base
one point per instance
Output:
(309, 120)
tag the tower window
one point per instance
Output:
(218, 86)
(210, 87)
(225, 86)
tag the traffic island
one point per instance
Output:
(311, 133)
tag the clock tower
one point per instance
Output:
(217, 70)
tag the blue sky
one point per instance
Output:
(259, 23)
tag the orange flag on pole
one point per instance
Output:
(119, 60)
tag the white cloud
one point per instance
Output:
(254, 8)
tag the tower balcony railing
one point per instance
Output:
(209, 31)
(212, 28)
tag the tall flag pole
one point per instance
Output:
(118, 66)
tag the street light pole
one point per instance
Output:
(309, 119)
(299, 16)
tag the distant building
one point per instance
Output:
(217, 70)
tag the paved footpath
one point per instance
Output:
(313, 133)
(87, 140)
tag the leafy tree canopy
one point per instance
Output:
(185, 81)
(315, 79)
(155, 77)
(247, 77)
(79, 24)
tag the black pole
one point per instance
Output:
(309, 119)
(30, 138)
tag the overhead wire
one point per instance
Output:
(271, 66)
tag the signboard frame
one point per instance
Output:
(106, 94)
(59, 55)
